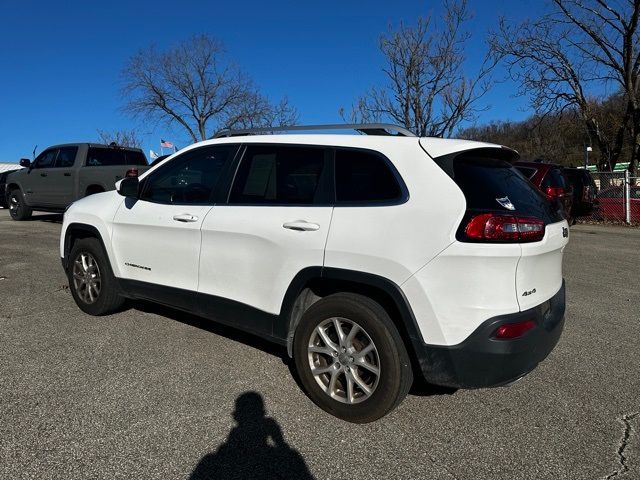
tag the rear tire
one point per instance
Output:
(338, 371)
(91, 280)
(18, 209)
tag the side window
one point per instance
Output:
(46, 159)
(364, 177)
(279, 175)
(66, 157)
(105, 157)
(554, 179)
(189, 178)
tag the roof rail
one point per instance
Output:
(366, 128)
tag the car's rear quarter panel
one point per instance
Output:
(395, 241)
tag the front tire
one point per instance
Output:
(91, 280)
(18, 209)
(351, 359)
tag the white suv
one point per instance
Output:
(372, 258)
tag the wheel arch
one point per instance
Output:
(314, 283)
(9, 187)
(77, 231)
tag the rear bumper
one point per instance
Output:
(482, 361)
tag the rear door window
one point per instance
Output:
(279, 175)
(363, 176)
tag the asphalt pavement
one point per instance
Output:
(154, 393)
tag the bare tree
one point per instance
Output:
(194, 86)
(569, 54)
(427, 89)
(124, 138)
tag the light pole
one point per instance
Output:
(587, 149)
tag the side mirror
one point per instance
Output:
(129, 187)
(25, 162)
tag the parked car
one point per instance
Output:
(371, 258)
(610, 204)
(551, 180)
(3, 184)
(584, 190)
(64, 173)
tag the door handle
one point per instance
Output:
(185, 217)
(43, 174)
(67, 174)
(301, 226)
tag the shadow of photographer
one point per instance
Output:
(254, 449)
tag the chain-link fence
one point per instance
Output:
(616, 199)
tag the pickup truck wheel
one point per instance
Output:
(91, 281)
(351, 359)
(18, 209)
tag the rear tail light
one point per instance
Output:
(132, 172)
(554, 192)
(509, 331)
(496, 227)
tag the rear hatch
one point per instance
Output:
(504, 207)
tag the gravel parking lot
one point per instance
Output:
(153, 393)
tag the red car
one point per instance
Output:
(610, 204)
(549, 178)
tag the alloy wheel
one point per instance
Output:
(86, 277)
(344, 360)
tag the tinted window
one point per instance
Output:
(553, 178)
(278, 175)
(364, 177)
(527, 171)
(46, 159)
(485, 180)
(66, 157)
(134, 157)
(189, 178)
(106, 157)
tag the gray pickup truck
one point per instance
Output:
(62, 174)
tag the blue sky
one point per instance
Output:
(61, 61)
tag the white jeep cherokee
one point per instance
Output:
(372, 258)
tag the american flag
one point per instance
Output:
(166, 144)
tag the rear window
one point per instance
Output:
(109, 157)
(527, 171)
(493, 185)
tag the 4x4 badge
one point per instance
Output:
(565, 232)
(506, 203)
